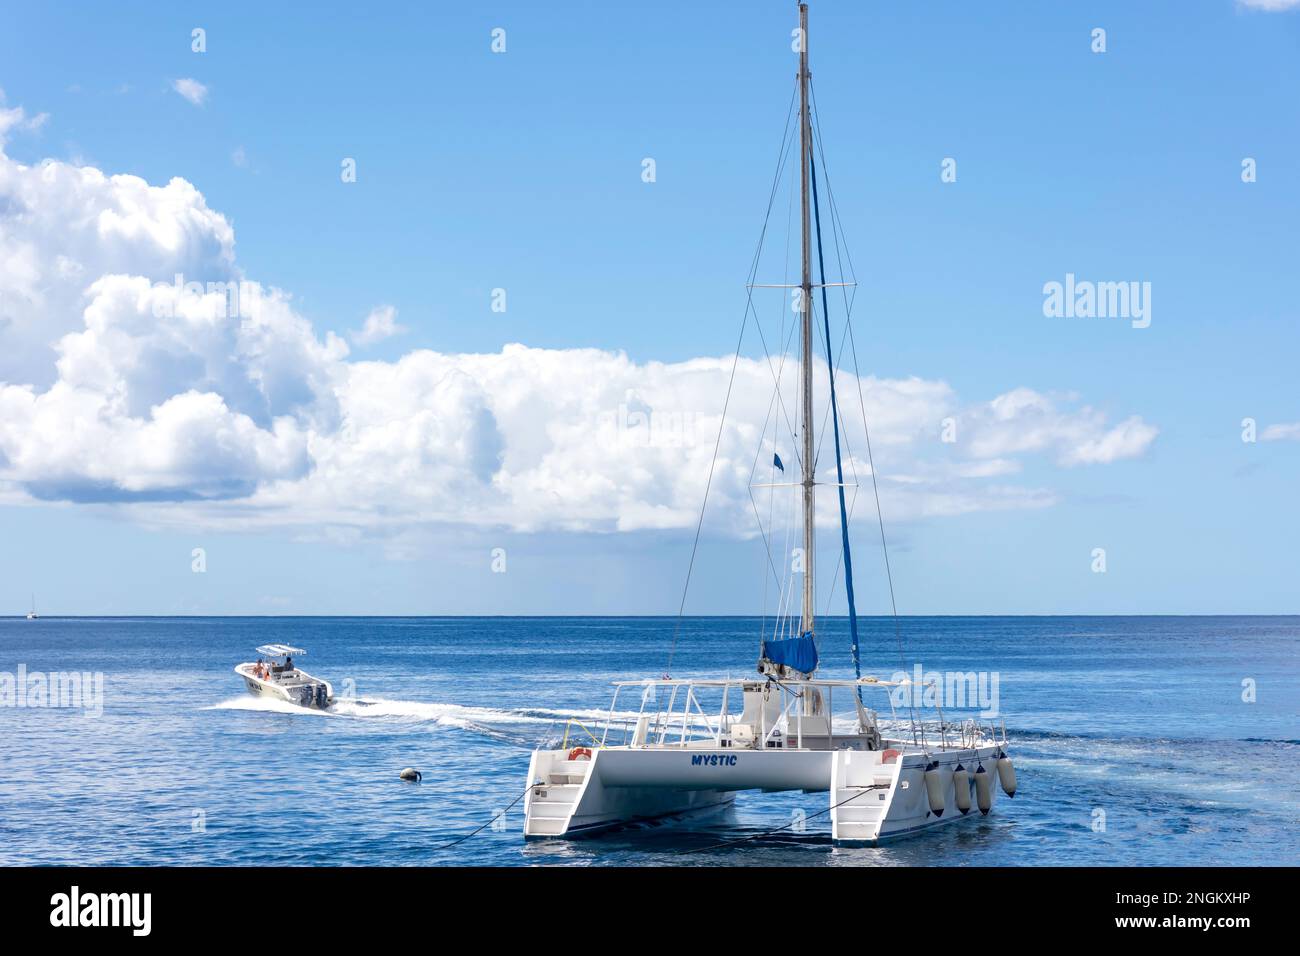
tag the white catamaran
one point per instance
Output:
(690, 748)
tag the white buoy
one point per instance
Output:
(411, 774)
(983, 789)
(1007, 775)
(934, 789)
(961, 788)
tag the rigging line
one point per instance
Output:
(771, 402)
(835, 421)
(832, 358)
(830, 192)
(875, 486)
(477, 830)
(844, 431)
(754, 467)
(776, 374)
(838, 362)
(835, 360)
(767, 548)
(767, 553)
(776, 576)
(771, 495)
(880, 517)
(807, 817)
(830, 355)
(699, 525)
(853, 504)
(839, 359)
(731, 381)
(771, 498)
(786, 592)
(776, 379)
(848, 292)
(840, 252)
(786, 149)
(838, 234)
(771, 512)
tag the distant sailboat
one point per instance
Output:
(32, 615)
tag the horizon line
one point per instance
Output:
(354, 616)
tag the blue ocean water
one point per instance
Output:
(1140, 719)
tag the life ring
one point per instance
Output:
(580, 753)
(889, 756)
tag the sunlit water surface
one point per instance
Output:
(1131, 738)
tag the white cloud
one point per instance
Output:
(1271, 6)
(191, 89)
(380, 324)
(239, 157)
(16, 119)
(120, 384)
(1024, 421)
(62, 227)
(1284, 431)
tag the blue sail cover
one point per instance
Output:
(798, 653)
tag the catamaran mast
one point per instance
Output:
(806, 342)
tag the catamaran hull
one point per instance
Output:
(572, 799)
(871, 798)
(872, 801)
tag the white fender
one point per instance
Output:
(961, 788)
(1007, 775)
(934, 789)
(983, 789)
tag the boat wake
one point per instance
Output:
(266, 705)
(523, 726)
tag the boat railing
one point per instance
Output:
(670, 724)
(682, 720)
(564, 745)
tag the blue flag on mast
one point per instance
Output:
(776, 460)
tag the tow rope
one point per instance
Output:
(456, 842)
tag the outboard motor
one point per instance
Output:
(321, 699)
(304, 696)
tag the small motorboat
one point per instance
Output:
(275, 675)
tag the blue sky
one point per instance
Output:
(522, 171)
